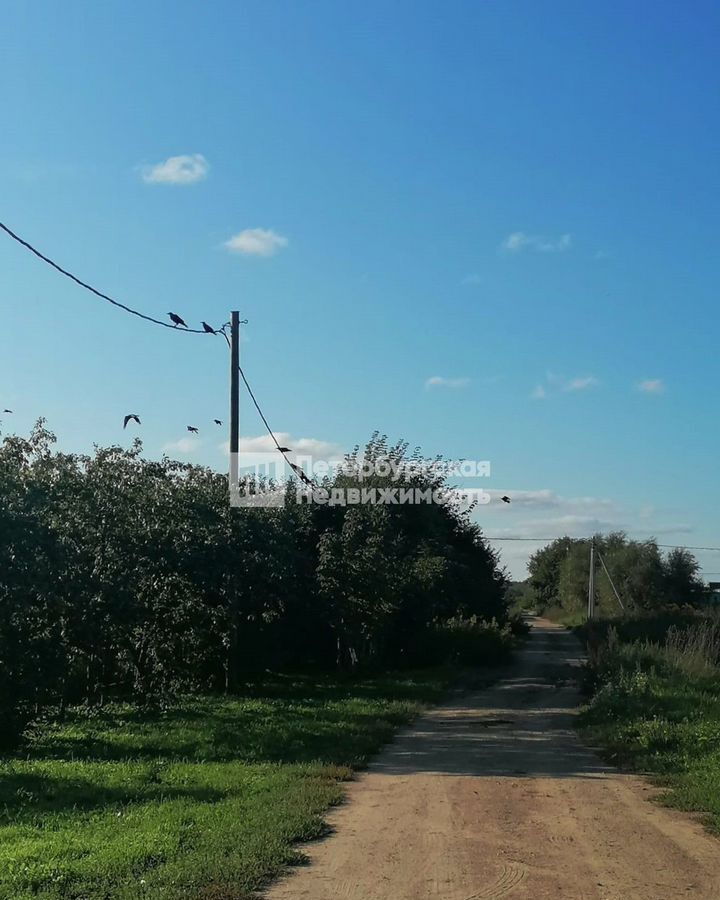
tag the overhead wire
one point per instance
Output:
(93, 290)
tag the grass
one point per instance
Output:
(656, 709)
(205, 799)
(570, 618)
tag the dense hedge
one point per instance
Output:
(126, 576)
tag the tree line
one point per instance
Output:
(644, 577)
(124, 576)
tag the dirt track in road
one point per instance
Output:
(492, 795)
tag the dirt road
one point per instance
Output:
(493, 796)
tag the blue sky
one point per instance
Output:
(519, 198)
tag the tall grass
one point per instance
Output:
(695, 650)
(655, 708)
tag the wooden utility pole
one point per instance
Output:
(234, 404)
(591, 582)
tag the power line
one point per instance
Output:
(89, 287)
(685, 547)
(296, 468)
(135, 312)
(259, 410)
(257, 405)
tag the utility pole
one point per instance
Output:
(234, 404)
(591, 582)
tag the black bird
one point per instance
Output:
(8, 411)
(217, 421)
(284, 449)
(208, 329)
(299, 472)
(505, 499)
(192, 429)
(131, 416)
(176, 320)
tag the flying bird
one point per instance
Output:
(7, 411)
(176, 320)
(284, 449)
(505, 499)
(192, 429)
(208, 328)
(217, 421)
(129, 416)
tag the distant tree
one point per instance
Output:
(544, 569)
(683, 583)
(644, 580)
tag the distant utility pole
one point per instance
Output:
(591, 582)
(234, 404)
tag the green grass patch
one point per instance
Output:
(204, 799)
(655, 708)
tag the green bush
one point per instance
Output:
(122, 577)
(464, 641)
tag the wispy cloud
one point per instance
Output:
(442, 381)
(304, 446)
(519, 240)
(545, 499)
(186, 169)
(256, 242)
(556, 383)
(581, 384)
(652, 386)
(185, 446)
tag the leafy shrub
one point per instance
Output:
(464, 641)
(126, 577)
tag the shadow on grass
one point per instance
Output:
(24, 795)
(285, 720)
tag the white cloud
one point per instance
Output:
(666, 530)
(555, 383)
(518, 241)
(581, 384)
(185, 446)
(256, 242)
(652, 386)
(177, 170)
(303, 446)
(442, 381)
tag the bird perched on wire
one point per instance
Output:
(505, 499)
(192, 429)
(176, 320)
(128, 417)
(299, 472)
(208, 329)
(217, 421)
